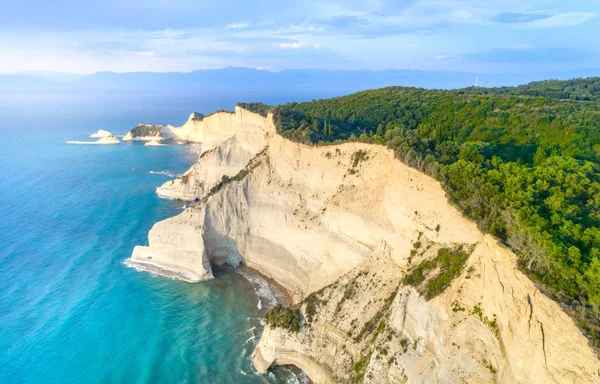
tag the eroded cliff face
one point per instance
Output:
(346, 223)
(211, 130)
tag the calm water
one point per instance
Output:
(70, 312)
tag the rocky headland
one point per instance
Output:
(392, 283)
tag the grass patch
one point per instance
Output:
(450, 262)
(359, 368)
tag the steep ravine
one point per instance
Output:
(347, 223)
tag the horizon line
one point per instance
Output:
(42, 71)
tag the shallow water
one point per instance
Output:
(70, 311)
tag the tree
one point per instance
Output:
(539, 157)
(315, 125)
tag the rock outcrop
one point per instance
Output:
(339, 227)
(104, 139)
(101, 133)
(229, 142)
(144, 132)
(209, 130)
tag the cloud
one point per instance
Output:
(295, 45)
(377, 34)
(516, 18)
(145, 53)
(237, 25)
(537, 20)
(562, 20)
(299, 45)
(518, 47)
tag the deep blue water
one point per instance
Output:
(70, 311)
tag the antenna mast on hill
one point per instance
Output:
(476, 81)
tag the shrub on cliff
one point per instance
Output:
(450, 262)
(259, 108)
(283, 317)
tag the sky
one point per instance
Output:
(488, 36)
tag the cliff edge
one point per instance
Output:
(364, 244)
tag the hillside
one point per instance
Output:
(524, 167)
(574, 89)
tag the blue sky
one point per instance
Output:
(182, 35)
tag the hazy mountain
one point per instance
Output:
(233, 77)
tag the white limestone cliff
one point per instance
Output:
(229, 142)
(340, 222)
(209, 130)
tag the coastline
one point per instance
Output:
(281, 294)
(165, 271)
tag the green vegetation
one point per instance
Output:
(260, 108)
(418, 274)
(358, 156)
(493, 323)
(281, 317)
(377, 323)
(359, 368)
(450, 262)
(215, 112)
(199, 116)
(241, 175)
(349, 293)
(312, 302)
(575, 89)
(145, 130)
(523, 162)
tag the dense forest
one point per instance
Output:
(575, 89)
(523, 162)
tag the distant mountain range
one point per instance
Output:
(248, 78)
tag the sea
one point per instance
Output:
(70, 310)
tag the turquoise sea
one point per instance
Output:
(70, 311)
